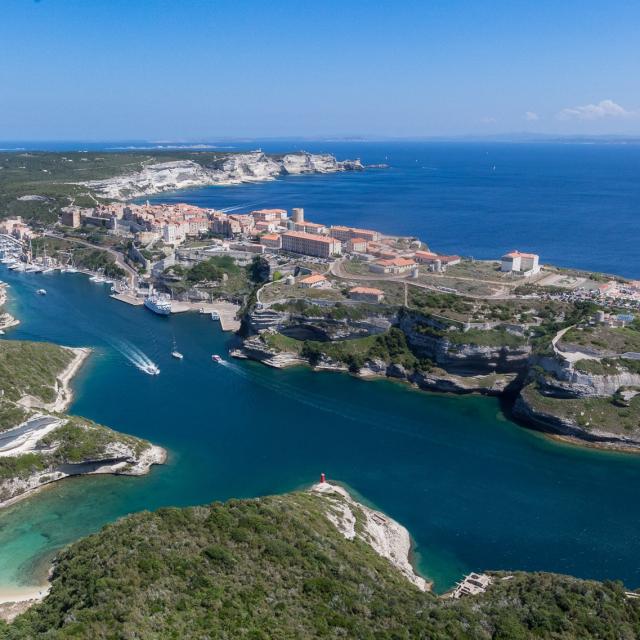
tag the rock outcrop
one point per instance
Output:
(229, 168)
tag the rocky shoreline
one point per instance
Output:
(227, 169)
(505, 385)
(387, 537)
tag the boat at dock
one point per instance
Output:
(158, 304)
(215, 315)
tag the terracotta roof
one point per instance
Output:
(395, 262)
(313, 279)
(517, 254)
(303, 235)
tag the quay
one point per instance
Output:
(226, 311)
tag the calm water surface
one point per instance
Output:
(475, 490)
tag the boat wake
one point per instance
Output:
(136, 357)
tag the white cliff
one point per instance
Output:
(387, 537)
(237, 168)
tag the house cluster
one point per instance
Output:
(16, 228)
(620, 291)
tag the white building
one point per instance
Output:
(523, 264)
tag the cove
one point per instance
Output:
(475, 490)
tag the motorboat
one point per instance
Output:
(216, 358)
(177, 355)
(151, 369)
(41, 292)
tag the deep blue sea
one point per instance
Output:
(475, 490)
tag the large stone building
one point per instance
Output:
(346, 233)
(524, 264)
(310, 244)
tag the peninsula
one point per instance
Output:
(561, 346)
(39, 443)
(303, 565)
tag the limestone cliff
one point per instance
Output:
(236, 168)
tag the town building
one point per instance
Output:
(310, 244)
(70, 217)
(297, 214)
(269, 215)
(313, 281)
(393, 265)
(524, 264)
(366, 294)
(357, 245)
(271, 240)
(310, 227)
(346, 233)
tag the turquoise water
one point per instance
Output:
(475, 490)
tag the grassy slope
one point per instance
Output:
(276, 568)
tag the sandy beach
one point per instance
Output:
(65, 393)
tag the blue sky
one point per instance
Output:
(203, 69)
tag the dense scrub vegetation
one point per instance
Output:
(31, 368)
(276, 568)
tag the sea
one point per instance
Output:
(475, 490)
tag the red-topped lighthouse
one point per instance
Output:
(322, 478)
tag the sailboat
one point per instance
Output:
(175, 353)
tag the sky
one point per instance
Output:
(187, 70)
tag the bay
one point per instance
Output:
(475, 490)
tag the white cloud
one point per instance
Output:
(488, 120)
(604, 109)
(531, 116)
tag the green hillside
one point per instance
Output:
(277, 568)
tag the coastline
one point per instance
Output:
(601, 441)
(65, 392)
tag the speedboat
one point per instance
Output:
(151, 369)
(41, 292)
(216, 358)
(177, 355)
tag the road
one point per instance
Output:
(132, 273)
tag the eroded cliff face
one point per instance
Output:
(459, 357)
(236, 168)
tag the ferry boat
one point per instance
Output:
(216, 358)
(158, 304)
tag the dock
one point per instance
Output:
(226, 310)
(128, 298)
